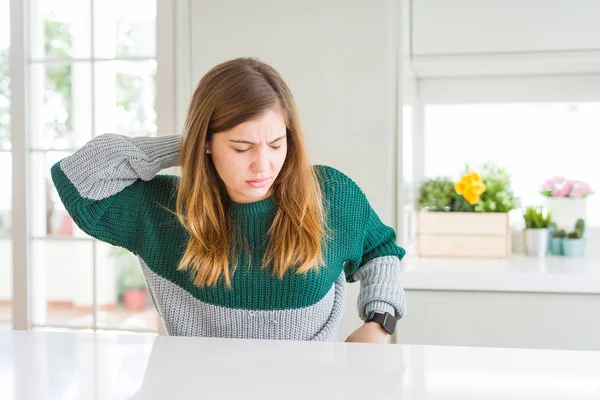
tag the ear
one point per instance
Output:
(208, 145)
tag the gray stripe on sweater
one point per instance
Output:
(380, 288)
(184, 315)
(110, 162)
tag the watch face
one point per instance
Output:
(387, 320)
(390, 324)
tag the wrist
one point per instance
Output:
(376, 327)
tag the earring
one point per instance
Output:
(207, 151)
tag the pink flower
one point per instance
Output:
(577, 193)
(559, 186)
(580, 189)
(587, 190)
(569, 183)
(561, 191)
(548, 185)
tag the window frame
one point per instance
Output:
(584, 87)
(517, 89)
(21, 150)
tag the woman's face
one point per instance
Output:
(249, 157)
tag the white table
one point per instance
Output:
(59, 365)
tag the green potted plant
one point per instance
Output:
(498, 195)
(134, 288)
(476, 205)
(437, 194)
(574, 243)
(537, 230)
(556, 242)
(132, 284)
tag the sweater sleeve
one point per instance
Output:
(379, 270)
(102, 184)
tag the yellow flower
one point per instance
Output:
(471, 197)
(470, 187)
(472, 177)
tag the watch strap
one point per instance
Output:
(385, 319)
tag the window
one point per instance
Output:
(92, 70)
(534, 141)
(409, 228)
(6, 168)
(407, 154)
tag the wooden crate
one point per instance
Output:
(462, 234)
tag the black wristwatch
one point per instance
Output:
(387, 320)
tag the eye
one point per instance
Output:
(276, 147)
(241, 151)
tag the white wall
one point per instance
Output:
(460, 27)
(506, 89)
(340, 59)
(488, 38)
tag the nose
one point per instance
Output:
(260, 163)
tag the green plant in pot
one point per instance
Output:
(498, 195)
(437, 194)
(538, 222)
(556, 241)
(574, 243)
(132, 283)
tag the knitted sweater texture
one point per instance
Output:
(113, 191)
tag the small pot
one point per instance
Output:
(574, 247)
(537, 241)
(556, 246)
(135, 299)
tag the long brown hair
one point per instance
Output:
(231, 93)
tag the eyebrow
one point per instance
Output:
(248, 142)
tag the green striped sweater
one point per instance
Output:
(112, 189)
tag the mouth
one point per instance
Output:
(257, 183)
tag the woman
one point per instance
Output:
(251, 241)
